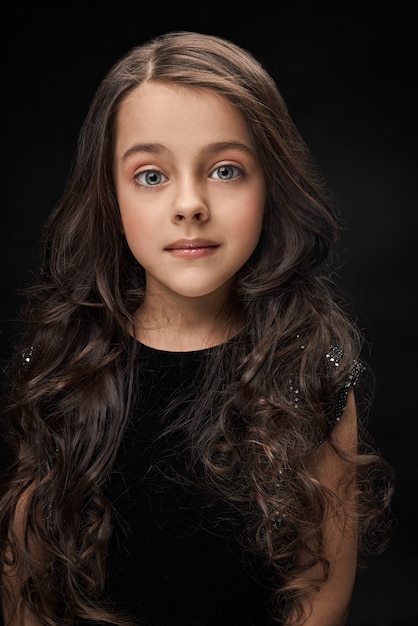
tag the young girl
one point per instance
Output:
(182, 410)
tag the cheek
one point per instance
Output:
(136, 231)
(131, 215)
(131, 223)
(138, 243)
(136, 221)
(250, 221)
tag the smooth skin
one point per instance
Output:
(186, 174)
(191, 195)
(330, 605)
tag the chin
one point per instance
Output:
(199, 292)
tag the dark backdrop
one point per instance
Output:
(348, 76)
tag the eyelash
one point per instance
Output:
(236, 172)
(145, 173)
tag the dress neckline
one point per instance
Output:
(146, 349)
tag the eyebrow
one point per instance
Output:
(219, 146)
(212, 148)
(154, 148)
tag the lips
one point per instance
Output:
(192, 247)
(187, 244)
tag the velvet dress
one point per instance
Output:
(174, 558)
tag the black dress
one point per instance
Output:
(173, 558)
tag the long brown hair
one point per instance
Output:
(69, 394)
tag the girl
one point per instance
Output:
(182, 411)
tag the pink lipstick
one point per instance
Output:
(192, 248)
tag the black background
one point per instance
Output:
(348, 75)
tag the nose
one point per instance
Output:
(190, 203)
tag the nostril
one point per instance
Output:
(199, 215)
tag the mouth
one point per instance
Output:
(192, 248)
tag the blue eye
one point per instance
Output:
(226, 172)
(150, 178)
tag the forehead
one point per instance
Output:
(157, 110)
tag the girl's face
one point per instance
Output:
(191, 192)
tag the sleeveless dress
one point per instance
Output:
(174, 559)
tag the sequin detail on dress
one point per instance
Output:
(342, 395)
(333, 357)
(27, 355)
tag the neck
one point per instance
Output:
(186, 324)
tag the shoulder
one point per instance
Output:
(355, 375)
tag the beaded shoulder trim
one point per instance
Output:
(333, 357)
(27, 355)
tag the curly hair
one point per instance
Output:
(69, 397)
